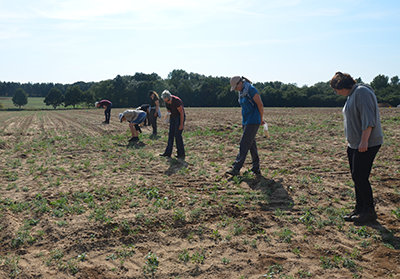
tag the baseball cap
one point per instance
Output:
(234, 81)
(120, 117)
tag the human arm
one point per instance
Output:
(182, 117)
(364, 139)
(260, 106)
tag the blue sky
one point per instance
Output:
(293, 41)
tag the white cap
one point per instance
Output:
(120, 117)
(95, 104)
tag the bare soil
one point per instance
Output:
(78, 201)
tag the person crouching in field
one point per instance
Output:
(362, 126)
(106, 104)
(134, 117)
(252, 118)
(175, 107)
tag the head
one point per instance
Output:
(153, 94)
(96, 104)
(236, 83)
(166, 96)
(342, 81)
(121, 117)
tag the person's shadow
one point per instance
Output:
(133, 145)
(175, 165)
(388, 238)
(273, 194)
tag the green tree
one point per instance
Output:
(394, 80)
(20, 98)
(54, 98)
(73, 96)
(380, 82)
(88, 98)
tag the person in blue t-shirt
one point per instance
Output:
(252, 118)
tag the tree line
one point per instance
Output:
(194, 89)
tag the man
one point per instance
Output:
(106, 104)
(175, 107)
(134, 117)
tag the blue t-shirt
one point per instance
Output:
(250, 113)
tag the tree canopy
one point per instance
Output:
(196, 90)
(20, 98)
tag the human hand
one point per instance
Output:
(363, 146)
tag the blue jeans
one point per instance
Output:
(175, 133)
(248, 142)
(360, 167)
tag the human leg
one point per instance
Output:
(246, 142)
(179, 140)
(360, 166)
(173, 126)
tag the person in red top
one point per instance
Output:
(106, 104)
(177, 120)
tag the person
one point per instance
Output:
(364, 137)
(154, 110)
(134, 117)
(175, 107)
(106, 104)
(146, 108)
(252, 117)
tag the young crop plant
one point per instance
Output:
(285, 235)
(151, 264)
(184, 256)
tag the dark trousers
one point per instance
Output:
(248, 142)
(175, 133)
(153, 120)
(107, 113)
(360, 168)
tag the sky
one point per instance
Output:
(293, 41)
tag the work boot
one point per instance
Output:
(349, 217)
(233, 172)
(368, 215)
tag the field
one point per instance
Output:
(77, 201)
(33, 103)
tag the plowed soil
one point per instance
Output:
(78, 201)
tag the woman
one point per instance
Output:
(363, 133)
(134, 117)
(154, 108)
(252, 115)
(177, 120)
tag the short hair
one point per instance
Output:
(342, 81)
(166, 95)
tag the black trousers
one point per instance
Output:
(360, 167)
(153, 120)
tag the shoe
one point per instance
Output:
(180, 156)
(106, 122)
(256, 171)
(134, 139)
(165, 155)
(368, 215)
(233, 172)
(349, 217)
